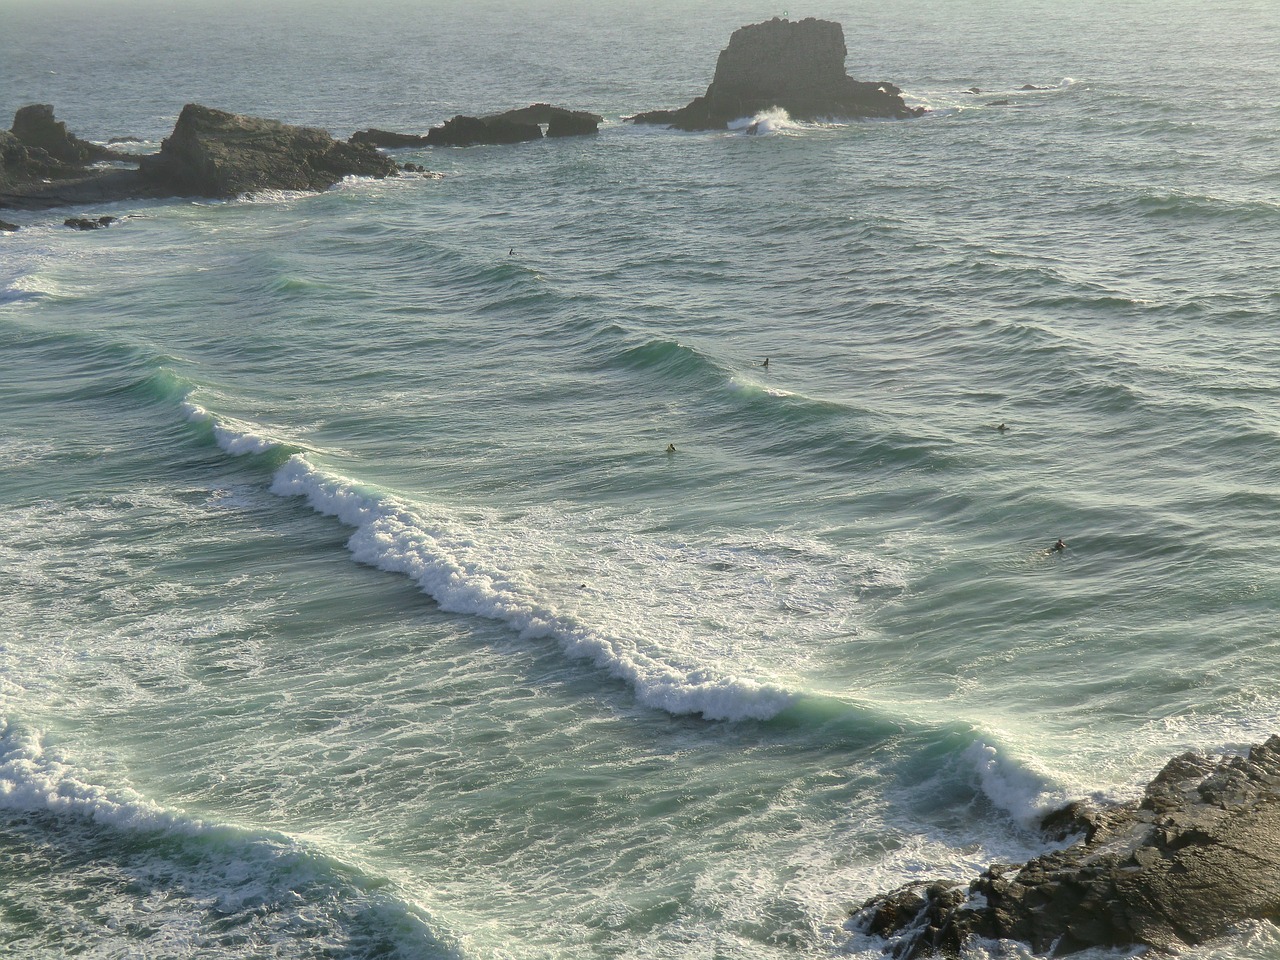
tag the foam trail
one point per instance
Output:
(442, 560)
(31, 780)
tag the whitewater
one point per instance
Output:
(433, 568)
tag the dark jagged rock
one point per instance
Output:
(34, 126)
(213, 153)
(20, 163)
(7, 227)
(388, 139)
(125, 140)
(86, 223)
(464, 131)
(798, 66)
(559, 121)
(1197, 854)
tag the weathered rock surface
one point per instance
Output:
(513, 126)
(1199, 853)
(35, 126)
(388, 138)
(464, 131)
(213, 153)
(39, 148)
(7, 227)
(795, 65)
(559, 121)
(87, 223)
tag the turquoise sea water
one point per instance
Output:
(353, 608)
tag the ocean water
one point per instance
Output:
(353, 608)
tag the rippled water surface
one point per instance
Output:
(354, 607)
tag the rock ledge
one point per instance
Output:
(1198, 853)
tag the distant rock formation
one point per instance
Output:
(1199, 853)
(513, 126)
(213, 153)
(798, 66)
(559, 121)
(34, 126)
(387, 138)
(39, 148)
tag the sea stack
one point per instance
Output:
(795, 65)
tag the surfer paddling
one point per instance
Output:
(1059, 547)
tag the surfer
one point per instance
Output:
(511, 252)
(1002, 428)
(1059, 546)
(766, 363)
(671, 448)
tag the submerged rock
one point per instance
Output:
(1197, 854)
(213, 153)
(795, 65)
(7, 227)
(87, 223)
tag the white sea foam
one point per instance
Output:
(35, 780)
(444, 559)
(443, 556)
(233, 436)
(1020, 790)
(768, 123)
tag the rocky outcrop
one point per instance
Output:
(40, 148)
(464, 131)
(513, 126)
(1198, 853)
(388, 138)
(87, 223)
(35, 126)
(213, 153)
(560, 122)
(795, 65)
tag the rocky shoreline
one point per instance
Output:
(796, 66)
(1198, 853)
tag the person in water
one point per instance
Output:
(766, 363)
(671, 448)
(1059, 546)
(1002, 428)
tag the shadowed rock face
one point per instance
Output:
(38, 148)
(1199, 853)
(513, 126)
(387, 138)
(34, 126)
(213, 153)
(798, 66)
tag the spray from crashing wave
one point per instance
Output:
(768, 123)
